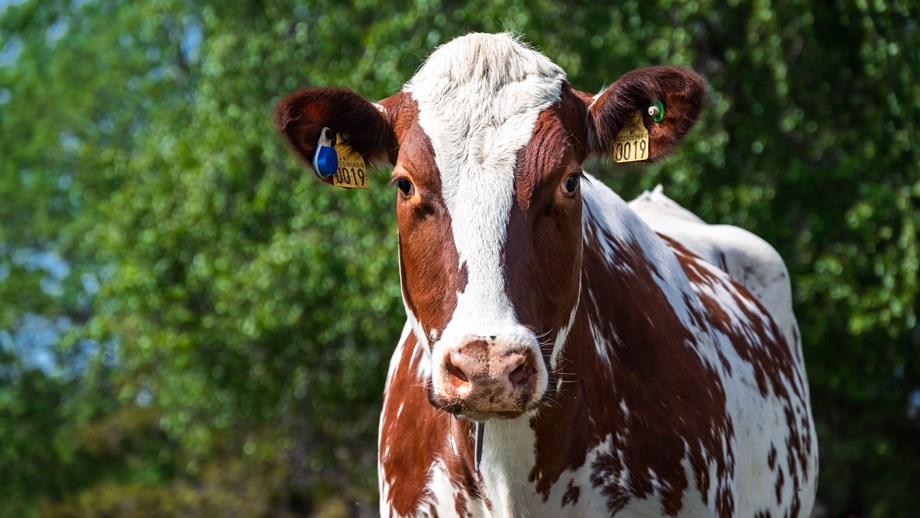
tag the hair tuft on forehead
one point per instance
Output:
(489, 60)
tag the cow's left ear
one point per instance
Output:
(681, 93)
(367, 126)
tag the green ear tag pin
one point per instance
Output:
(656, 110)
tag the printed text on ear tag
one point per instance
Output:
(351, 172)
(632, 141)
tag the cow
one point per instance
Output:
(561, 357)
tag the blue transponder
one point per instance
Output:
(325, 161)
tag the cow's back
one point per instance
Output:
(747, 258)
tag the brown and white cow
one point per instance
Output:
(614, 370)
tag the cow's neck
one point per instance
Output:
(508, 456)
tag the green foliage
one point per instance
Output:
(229, 488)
(223, 321)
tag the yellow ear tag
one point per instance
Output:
(351, 173)
(632, 141)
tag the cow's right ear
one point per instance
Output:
(365, 125)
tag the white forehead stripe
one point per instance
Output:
(478, 98)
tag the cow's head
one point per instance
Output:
(487, 141)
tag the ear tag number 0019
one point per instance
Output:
(339, 160)
(632, 143)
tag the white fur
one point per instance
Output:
(563, 333)
(507, 457)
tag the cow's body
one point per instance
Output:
(615, 371)
(679, 396)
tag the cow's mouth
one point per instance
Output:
(481, 409)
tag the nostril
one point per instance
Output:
(520, 374)
(455, 372)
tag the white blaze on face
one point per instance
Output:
(479, 98)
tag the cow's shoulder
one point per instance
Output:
(747, 258)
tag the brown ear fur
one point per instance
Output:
(681, 91)
(301, 115)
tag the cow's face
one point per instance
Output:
(487, 142)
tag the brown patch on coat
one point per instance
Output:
(460, 506)
(542, 251)
(557, 147)
(780, 481)
(771, 457)
(428, 256)
(570, 497)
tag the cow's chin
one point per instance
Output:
(483, 417)
(484, 409)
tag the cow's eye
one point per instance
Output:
(571, 183)
(404, 185)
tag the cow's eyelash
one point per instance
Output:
(403, 183)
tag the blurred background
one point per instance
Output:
(191, 325)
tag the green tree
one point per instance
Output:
(73, 85)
